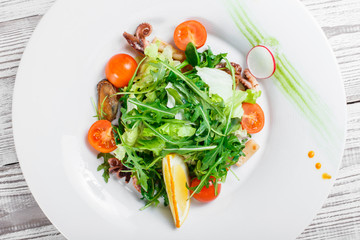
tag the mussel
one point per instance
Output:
(107, 108)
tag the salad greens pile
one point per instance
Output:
(166, 109)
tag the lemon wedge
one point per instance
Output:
(176, 176)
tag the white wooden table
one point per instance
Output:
(339, 218)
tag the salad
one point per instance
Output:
(175, 120)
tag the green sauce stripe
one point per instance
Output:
(287, 78)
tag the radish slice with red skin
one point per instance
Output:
(261, 62)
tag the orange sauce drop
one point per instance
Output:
(326, 176)
(311, 154)
(318, 165)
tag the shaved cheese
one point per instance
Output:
(219, 82)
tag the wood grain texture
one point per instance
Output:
(339, 218)
(340, 20)
(18, 209)
(17, 9)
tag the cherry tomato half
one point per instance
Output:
(120, 69)
(206, 194)
(253, 119)
(101, 137)
(190, 31)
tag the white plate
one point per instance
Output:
(280, 189)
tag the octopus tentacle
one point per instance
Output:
(138, 40)
(237, 68)
(250, 80)
(246, 79)
(118, 168)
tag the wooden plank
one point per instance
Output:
(16, 9)
(7, 148)
(48, 232)
(18, 209)
(333, 13)
(347, 51)
(340, 21)
(14, 37)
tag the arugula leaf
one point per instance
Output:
(136, 163)
(105, 165)
(200, 93)
(209, 59)
(155, 107)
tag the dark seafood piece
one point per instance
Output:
(107, 108)
(236, 66)
(118, 168)
(138, 40)
(249, 81)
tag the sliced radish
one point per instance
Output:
(261, 62)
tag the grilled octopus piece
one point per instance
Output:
(247, 80)
(117, 167)
(138, 40)
(110, 106)
(250, 80)
(236, 66)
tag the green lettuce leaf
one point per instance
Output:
(176, 130)
(119, 152)
(155, 145)
(239, 97)
(150, 73)
(237, 100)
(130, 136)
(147, 132)
(252, 95)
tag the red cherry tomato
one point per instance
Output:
(101, 137)
(253, 119)
(190, 31)
(206, 194)
(120, 69)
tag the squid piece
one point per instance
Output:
(251, 147)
